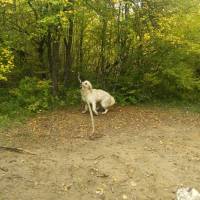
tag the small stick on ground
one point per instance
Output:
(16, 150)
(4, 169)
(96, 158)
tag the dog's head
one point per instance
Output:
(86, 85)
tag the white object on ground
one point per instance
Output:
(187, 194)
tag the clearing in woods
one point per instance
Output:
(143, 153)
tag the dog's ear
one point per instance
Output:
(89, 86)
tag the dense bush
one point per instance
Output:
(166, 73)
(33, 94)
(70, 96)
(6, 62)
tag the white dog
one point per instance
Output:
(94, 96)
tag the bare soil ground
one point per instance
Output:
(140, 153)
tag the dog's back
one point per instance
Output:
(102, 94)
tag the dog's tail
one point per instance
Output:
(112, 99)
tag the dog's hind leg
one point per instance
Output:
(86, 109)
(105, 104)
(106, 110)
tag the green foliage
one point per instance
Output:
(71, 97)
(10, 110)
(6, 62)
(33, 94)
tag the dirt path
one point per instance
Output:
(142, 154)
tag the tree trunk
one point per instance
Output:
(68, 52)
(41, 57)
(53, 59)
(140, 35)
(49, 52)
(81, 49)
(102, 51)
(56, 63)
(124, 46)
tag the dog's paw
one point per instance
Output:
(105, 112)
(83, 112)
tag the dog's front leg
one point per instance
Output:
(85, 109)
(94, 108)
